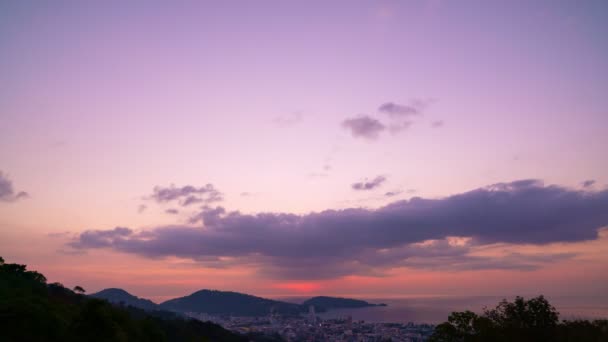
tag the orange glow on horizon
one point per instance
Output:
(302, 287)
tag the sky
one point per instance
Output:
(360, 148)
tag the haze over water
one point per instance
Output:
(434, 310)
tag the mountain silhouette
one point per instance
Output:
(216, 302)
(322, 303)
(120, 296)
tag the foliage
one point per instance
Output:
(520, 320)
(32, 310)
(78, 289)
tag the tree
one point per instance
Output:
(32, 310)
(465, 326)
(525, 320)
(464, 322)
(444, 332)
(521, 320)
(524, 314)
(79, 289)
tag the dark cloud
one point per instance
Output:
(7, 192)
(172, 211)
(369, 185)
(588, 183)
(392, 193)
(191, 200)
(102, 238)
(398, 110)
(187, 195)
(208, 215)
(409, 233)
(364, 127)
(465, 261)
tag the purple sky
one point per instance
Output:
(149, 115)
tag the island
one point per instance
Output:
(324, 303)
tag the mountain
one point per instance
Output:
(215, 302)
(230, 303)
(120, 296)
(32, 310)
(323, 303)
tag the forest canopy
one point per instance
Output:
(521, 320)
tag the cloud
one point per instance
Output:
(365, 185)
(400, 111)
(588, 183)
(101, 238)
(141, 208)
(397, 110)
(22, 194)
(186, 195)
(364, 127)
(7, 193)
(395, 128)
(208, 215)
(466, 261)
(172, 211)
(399, 192)
(437, 124)
(444, 233)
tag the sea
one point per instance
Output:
(436, 309)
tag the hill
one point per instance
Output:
(230, 303)
(322, 303)
(120, 296)
(32, 310)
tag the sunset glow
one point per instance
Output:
(375, 149)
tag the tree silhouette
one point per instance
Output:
(79, 289)
(32, 310)
(521, 320)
